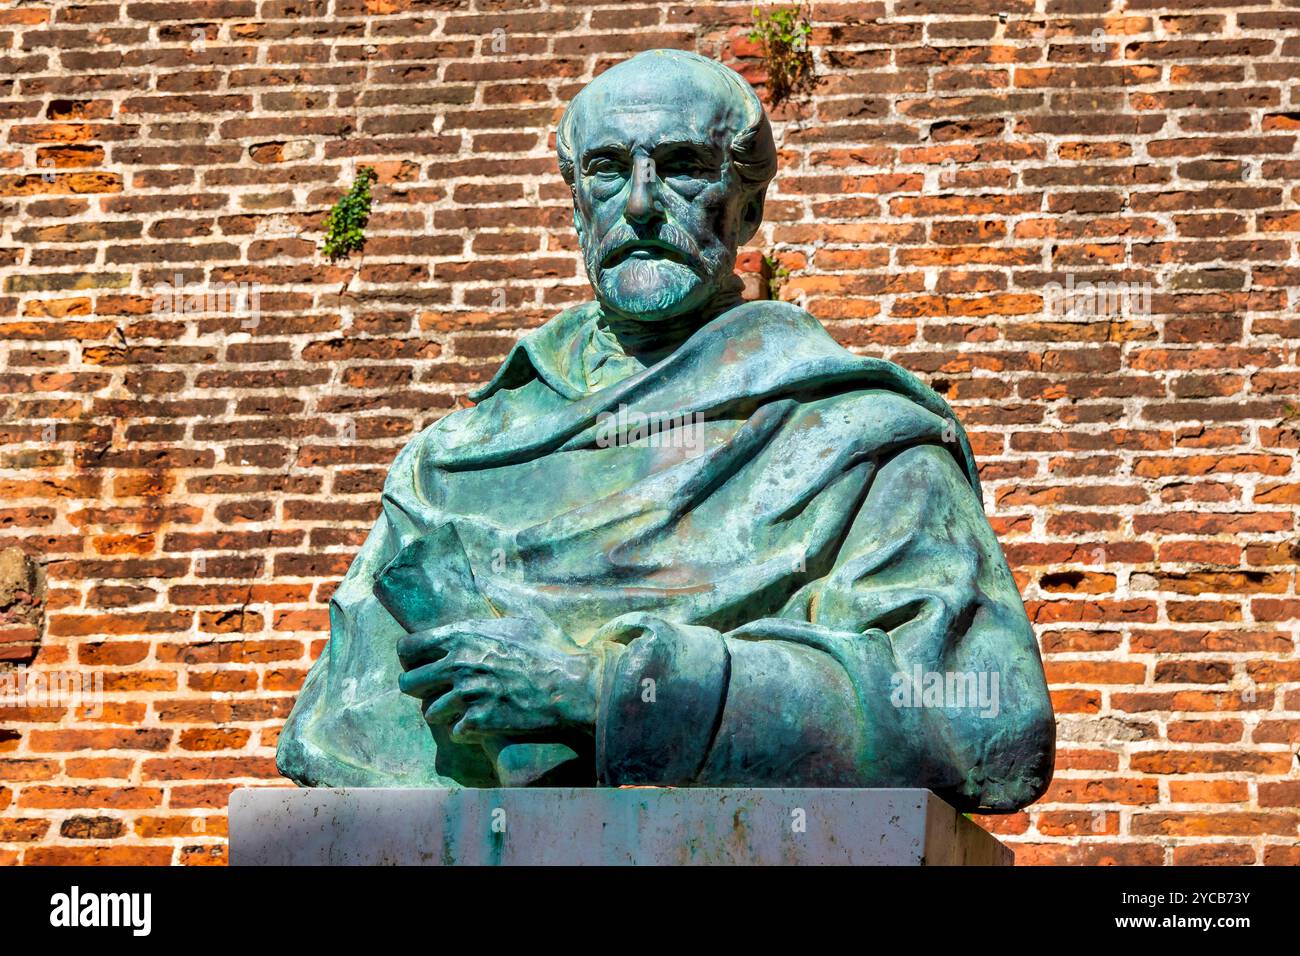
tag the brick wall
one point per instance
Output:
(189, 484)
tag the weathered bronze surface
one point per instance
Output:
(681, 539)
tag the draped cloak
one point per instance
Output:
(785, 565)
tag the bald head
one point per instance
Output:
(672, 80)
(668, 155)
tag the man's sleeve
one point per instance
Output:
(351, 726)
(915, 665)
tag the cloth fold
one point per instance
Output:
(768, 528)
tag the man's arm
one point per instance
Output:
(915, 666)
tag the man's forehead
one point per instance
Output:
(649, 123)
(664, 100)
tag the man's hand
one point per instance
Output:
(503, 676)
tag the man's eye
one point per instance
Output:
(686, 167)
(605, 167)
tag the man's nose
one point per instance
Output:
(643, 203)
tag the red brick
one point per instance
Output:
(200, 502)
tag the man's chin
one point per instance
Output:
(651, 292)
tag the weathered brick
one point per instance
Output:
(208, 480)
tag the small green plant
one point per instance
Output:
(778, 275)
(783, 34)
(345, 225)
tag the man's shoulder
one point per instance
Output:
(542, 353)
(537, 355)
(791, 334)
(776, 315)
(864, 394)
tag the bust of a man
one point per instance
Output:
(681, 539)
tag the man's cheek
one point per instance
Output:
(602, 211)
(589, 204)
(709, 211)
(603, 190)
(724, 220)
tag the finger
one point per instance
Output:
(449, 707)
(473, 725)
(430, 645)
(452, 705)
(427, 680)
(432, 680)
(426, 646)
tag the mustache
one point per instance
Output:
(623, 239)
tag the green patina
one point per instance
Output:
(680, 540)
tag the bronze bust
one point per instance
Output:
(681, 539)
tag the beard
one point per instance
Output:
(649, 287)
(655, 288)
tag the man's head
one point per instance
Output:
(668, 155)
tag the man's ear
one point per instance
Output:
(751, 217)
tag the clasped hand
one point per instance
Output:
(503, 676)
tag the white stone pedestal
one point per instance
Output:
(604, 826)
